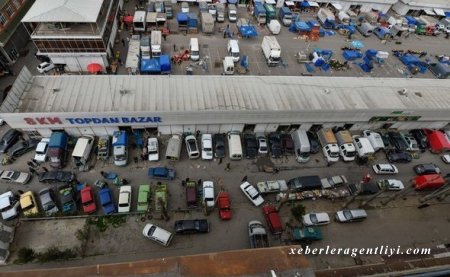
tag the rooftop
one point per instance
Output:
(125, 93)
(82, 11)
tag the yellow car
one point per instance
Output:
(28, 203)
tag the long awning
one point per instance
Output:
(439, 12)
(429, 12)
(271, 2)
(337, 6)
(313, 4)
(289, 3)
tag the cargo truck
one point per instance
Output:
(375, 139)
(57, 149)
(156, 44)
(329, 145)
(285, 16)
(260, 13)
(270, 12)
(271, 50)
(132, 62)
(120, 148)
(301, 145)
(257, 234)
(139, 21)
(326, 18)
(346, 148)
(207, 23)
(220, 12)
(272, 186)
(145, 47)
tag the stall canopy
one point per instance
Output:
(429, 12)
(337, 6)
(439, 12)
(438, 141)
(270, 2)
(313, 4)
(304, 4)
(94, 68)
(128, 19)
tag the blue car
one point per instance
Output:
(107, 201)
(161, 173)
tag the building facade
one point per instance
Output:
(102, 104)
(74, 33)
(419, 7)
(13, 36)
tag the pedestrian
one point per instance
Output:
(125, 182)
(45, 169)
(224, 34)
(123, 42)
(183, 183)
(30, 164)
(32, 170)
(35, 162)
(20, 191)
(174, 47)
(103, 174)
(227, 168)
(199, 182)
(447, 35)
(187, 180)
(244, 179)
(220, 160)
(164, 35)
(120, 61)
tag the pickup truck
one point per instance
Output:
(332, 182)
(161, 173)
(306, 234)
(272, 186)
(273, 219)
(257, 234)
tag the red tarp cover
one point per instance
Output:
(438, 141)
(432, 181)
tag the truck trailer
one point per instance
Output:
(272, 50)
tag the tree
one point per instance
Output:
(298, 211)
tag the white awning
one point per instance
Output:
(313, 4)
(337, 6)
(439, 12)
(270, 2)
(377, 7)
(429, 12)
(289, 3)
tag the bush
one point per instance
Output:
(25, 255)
(298, 211)
(54, 254)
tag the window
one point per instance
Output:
(3, 19)
(17, 3)
(10, 10)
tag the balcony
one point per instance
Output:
(66, 29)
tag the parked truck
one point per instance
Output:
(346, 148)
(326, 18)
(273, 219)
(363, 146)
(120, 148)
(260, 13)
(220, 12)
(207, 23)
(270, 12)
(103, 148)
(271, 50)
(257, 234)
(156, 44)
(285, 16)
(301, 145)
(132, 63)
(161, 197)
(145, 47)
(375, 139)
(82, 152)
(57, 149)
(329, 144)
(232, 13)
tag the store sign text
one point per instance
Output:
(92, 120)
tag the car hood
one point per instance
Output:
(109, 208)
(40, 157)
(23, 178)
(10, 213)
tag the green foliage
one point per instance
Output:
(54, 254)
(298, 211)
(102, 223)
(25, 255)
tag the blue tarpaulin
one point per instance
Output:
(248, 31)
(182, 17)
(313, 23)
(301, 26)
(447, 14)
(411, 20)
(351, 55)
(357, 44)
(371, 53)
(309, 67)
(232, 1)
(150, 66)
(164, 62)
(193, 20)
(305, 4)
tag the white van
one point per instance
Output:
(233, 50)
(234, 146)
(152, 145)
(194, 49)
(82, 150)
(302, 145)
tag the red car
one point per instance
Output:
(273, 219)
(224, 205)
(88, 200)
(432, 181)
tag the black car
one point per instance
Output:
(288, 143)
(21, 147)
(397, 141)
(56, 176)
(219, 145)
(275, 145)
(314, 142)
(420, 137)
(250, 146)
(394, 156)
(191, 226)
(8, 140)
(425, 169)
(385, 139)
(304, 183)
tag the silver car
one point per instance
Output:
(15, 176)
(47, 197)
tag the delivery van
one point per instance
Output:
(234, 146)
(194, 49)
(233, 50)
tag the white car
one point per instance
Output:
(15, 176)
(9, 205)
(45, 67)
(345, 216)
(446, 158)
(208, 193)
(2, 121)
(191, 146)
(385, 169)
(153, 153)
(41, 150)
(124, 199)
(313, 219)
(207, 152)
(390, 184)
(157, 234)
(262, 144)
(252, 194)
(184, 7)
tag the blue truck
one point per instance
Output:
(120, 148)
(161, 173)
(285, 16)
(107, 201)
(260, 13)
(57, 149)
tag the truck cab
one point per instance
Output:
(273, 219)
(120, 148)
(232, 13)
(285, 15)
(363, 146)
(57, 149)
(156, 43)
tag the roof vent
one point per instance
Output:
(326, 91)
(418, 94)
(124, 91)
(403, 92)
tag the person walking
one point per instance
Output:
(45, 169)
(31, 164)
(164, 35)
(174, 47)
(123, 42)
(227, 168)
(244, 179)
(32, 170)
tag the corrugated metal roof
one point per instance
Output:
(64, 11)
(103, 93)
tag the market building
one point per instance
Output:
(102, 104)
(74, 33)
(439, 8)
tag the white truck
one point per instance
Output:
(375, 139)
(346, 148)
(272, 186)
(363, 146)
(271, 50)
(220, 12)
(326, 18)
(139, 21)
(207, 23)
(232, 13)
(145, 47)
(82, 152)
(228, 65)
(132, 63)
(329, 145)
(174, 147)
(156, 44)
(332, 182)
(301, 145)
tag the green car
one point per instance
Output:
(306, 234)
(143, 198)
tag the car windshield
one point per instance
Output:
(48, 206)
(313, 218)
(219, 147)
(15, 175)
(347, 214)
(151, 231)
(192, 145)
(153, 152)
(208, 149)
